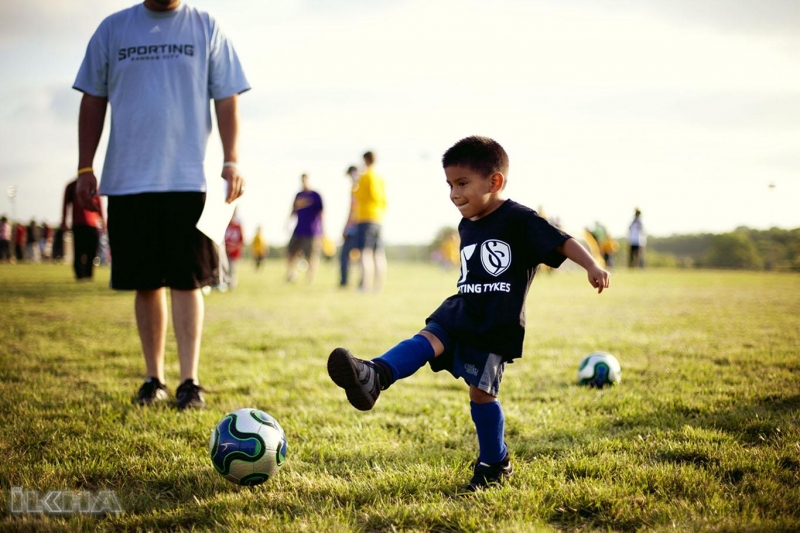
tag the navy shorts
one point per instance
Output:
(479, 368)
(155, 243)
(368, 236)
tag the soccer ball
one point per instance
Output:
(247, 447)
(599, 369)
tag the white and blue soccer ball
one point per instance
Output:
(248, 447)
(599, 369)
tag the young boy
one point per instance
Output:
(474, 333)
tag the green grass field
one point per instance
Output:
(702, 434)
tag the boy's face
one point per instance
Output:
(474, 194)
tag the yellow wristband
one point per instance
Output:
(85, 170)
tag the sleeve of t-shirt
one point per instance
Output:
(93, 75)
(544, 238)
(225, 74)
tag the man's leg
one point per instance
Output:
(344, 260)
(188, 310)
(151, 320)
(92, 242)
(78, 246)
(233, 279)
(380, 268)
(367, 262)
(314, 251)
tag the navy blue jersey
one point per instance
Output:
(499, 257)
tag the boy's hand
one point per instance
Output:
(576, 252)
(598, 277)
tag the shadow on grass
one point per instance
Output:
(750, 423)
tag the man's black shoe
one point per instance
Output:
(151, 391)
(189, 395)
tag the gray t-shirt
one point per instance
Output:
(159, 70)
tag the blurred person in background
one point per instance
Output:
(306, 238)
(349, 234)
(637, 240)
(370, 196)
(259, 247)
(86, 224)
(5, 240)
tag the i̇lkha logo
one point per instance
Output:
(495, 257)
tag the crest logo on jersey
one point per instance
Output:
(495, 257)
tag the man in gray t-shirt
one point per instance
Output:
(158, 64)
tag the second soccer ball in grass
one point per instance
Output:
(599, 369)
(247, 447)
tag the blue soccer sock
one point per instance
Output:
(490, 425)
(407, 357)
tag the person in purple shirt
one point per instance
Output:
(307, 235)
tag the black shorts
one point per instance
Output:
(309, 246)
(155, 242)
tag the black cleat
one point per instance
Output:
(189, 395)
(358, 378)
(489, 475)
(151, 391)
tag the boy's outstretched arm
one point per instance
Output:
(573, 250)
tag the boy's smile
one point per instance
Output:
(473, 194)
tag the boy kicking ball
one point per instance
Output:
(474, 333)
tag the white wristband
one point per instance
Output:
(229, 164)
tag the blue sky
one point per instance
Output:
(688, 110)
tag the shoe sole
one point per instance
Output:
(343, 372)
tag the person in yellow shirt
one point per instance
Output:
(260, 248)
(370, 197)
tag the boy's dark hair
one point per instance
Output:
(481, 154)
(369, 158)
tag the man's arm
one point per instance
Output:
(228, 124)
(91, 118)
(573, 250)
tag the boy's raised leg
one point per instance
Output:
(359, 379)
(363, 381)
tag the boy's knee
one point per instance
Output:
(479, 396)
(436, 344)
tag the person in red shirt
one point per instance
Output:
(20, 235)
(86, 223)
(234, 243)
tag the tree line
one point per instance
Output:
(774, 249)
(744, 248)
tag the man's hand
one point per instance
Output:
(235, 183)
(86, 191)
